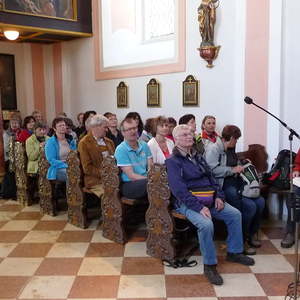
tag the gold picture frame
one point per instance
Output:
(153, 93)
(122, 95)
(190, 91)
(65, 10)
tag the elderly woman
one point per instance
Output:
(223, 161)
(33, 146)
(92, 149)
(160, 146)
(57, 149)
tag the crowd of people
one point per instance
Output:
(203, 169)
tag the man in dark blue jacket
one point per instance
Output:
(199, 198)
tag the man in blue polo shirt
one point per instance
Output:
(134, 158)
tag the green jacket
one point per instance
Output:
(33, 154)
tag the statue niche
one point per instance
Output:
(207, 19)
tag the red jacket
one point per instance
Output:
(297, 162)
(23, 135)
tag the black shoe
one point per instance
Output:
(255, 243)
(211, 273)
(288, 241)
(240, 258)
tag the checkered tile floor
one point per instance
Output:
(43, 257)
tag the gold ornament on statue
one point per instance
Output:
(207, 20)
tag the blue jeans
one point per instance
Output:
(205, 230)
(251, 208)
(61, 175)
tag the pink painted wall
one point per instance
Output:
(57, 73)
(38, 78)
(256, 71)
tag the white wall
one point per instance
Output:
(221, 88)
(290, 105)
(23, 72)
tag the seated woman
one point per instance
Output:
(33, 150)
(86, 115)
(160, 146)
(92, 149)
(57, 149)
(8, 186)
(113, 132)
(208, 127)
(33, 146)
(222, 159)
(28, 126)
(172, 125)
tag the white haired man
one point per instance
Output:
(92, 149)
(199, 198)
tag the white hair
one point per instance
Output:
(97, 120)
(176, 131)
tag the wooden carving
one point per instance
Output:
(111, 203)
(207, 20)
(158, 219)
(21, 176)
(47, 205)
(75, 198)
(11, 154)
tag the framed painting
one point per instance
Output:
(122, 95)
(58, 9)
(153, 93)
(190, 95)
(8, 82)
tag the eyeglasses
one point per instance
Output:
(130, 129)
(185, 135)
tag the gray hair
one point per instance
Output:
(176, 131)
(97, 120)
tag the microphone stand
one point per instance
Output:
(292, 291)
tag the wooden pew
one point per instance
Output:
(113, 205)
(77, 213)
(47, 203)
(20, 158)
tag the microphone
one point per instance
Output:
(248, 100)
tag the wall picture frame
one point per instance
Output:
(153, 93)
(62, 9)
(122, 95)
(8, 82)
(190, 91)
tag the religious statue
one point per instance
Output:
(207, 20)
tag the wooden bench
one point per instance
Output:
(113, 205)
(161, 220)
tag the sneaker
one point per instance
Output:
(253, 242)
(288, 241)
(211, 273)
(240, 258)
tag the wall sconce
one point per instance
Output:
(11, 35)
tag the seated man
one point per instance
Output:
(199, 198)
(134, 158)
(92, 149)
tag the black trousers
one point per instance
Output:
(134, 189)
